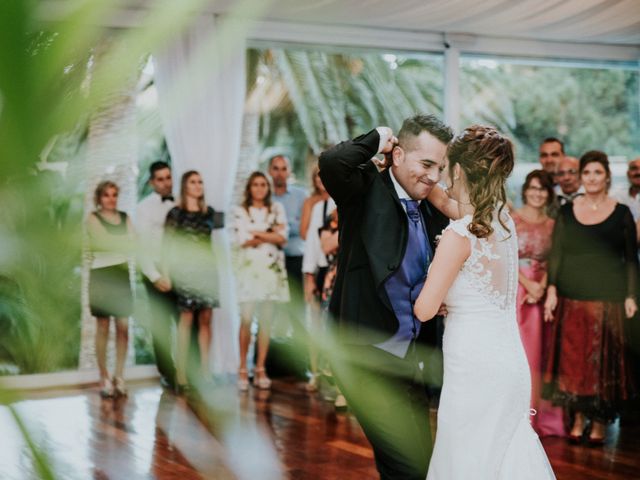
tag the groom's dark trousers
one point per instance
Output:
(387, 395)
(386, 392)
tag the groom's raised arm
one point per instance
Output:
(346, 170)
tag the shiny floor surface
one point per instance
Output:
(285, 433)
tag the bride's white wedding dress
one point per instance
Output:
(484, 431)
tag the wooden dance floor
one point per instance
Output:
(286, 433)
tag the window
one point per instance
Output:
(300, 101)
(589, 107)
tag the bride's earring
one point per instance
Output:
(456, 174)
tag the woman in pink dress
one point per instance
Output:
(534, 229)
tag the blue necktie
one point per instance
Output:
(404, 286)
(417, 235)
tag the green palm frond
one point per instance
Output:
(310, 118)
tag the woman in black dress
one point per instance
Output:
(110, 239)
(593, 272)
(190, 264)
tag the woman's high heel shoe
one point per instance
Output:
(261, 381)
(595, 441)
(106, 388)
(576, 439)
(183, 389)
(243, 380)
(119, 387)
(312, 384)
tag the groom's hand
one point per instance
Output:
(443, 310)
(387, 142)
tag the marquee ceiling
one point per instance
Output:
(593, 21)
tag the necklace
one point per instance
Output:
(594, 205)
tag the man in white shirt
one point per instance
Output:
(150, 215)
(630, 196)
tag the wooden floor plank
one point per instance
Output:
(285, 433)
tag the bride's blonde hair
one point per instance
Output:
(487, 159)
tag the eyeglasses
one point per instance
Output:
(562, 173)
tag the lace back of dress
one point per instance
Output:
(492, 264)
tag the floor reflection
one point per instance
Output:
(224, 434)
(150, 434)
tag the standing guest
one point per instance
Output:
(534, 228)
(314, 268)
(260, 231)
(151, 214)
(592, 286)
(319, 195)
(329, 242)
(190, 265)
(292, 198)
(629, 195)
(551, 151)
(110, 295)
(568, 178)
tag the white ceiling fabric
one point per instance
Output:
(594, 21)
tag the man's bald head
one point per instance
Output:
(633, 172)
(568, 175)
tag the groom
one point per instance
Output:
(387, 240)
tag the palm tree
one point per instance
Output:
(305, 100)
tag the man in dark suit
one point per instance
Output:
(387, 240)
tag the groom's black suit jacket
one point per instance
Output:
(373, 238)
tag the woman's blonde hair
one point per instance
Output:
(100, 189)
(202, 205)
(487, 159)
(315, 172)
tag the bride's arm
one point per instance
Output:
(439, 199)
(451, 254)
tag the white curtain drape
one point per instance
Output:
(200, 79)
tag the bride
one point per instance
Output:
(483, 419)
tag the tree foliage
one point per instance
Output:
(587, 108)
(315, 98)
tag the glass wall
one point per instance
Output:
(300, 100)
(588, 106)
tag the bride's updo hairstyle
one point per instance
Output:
(486, 157)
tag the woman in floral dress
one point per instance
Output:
(260, 231)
